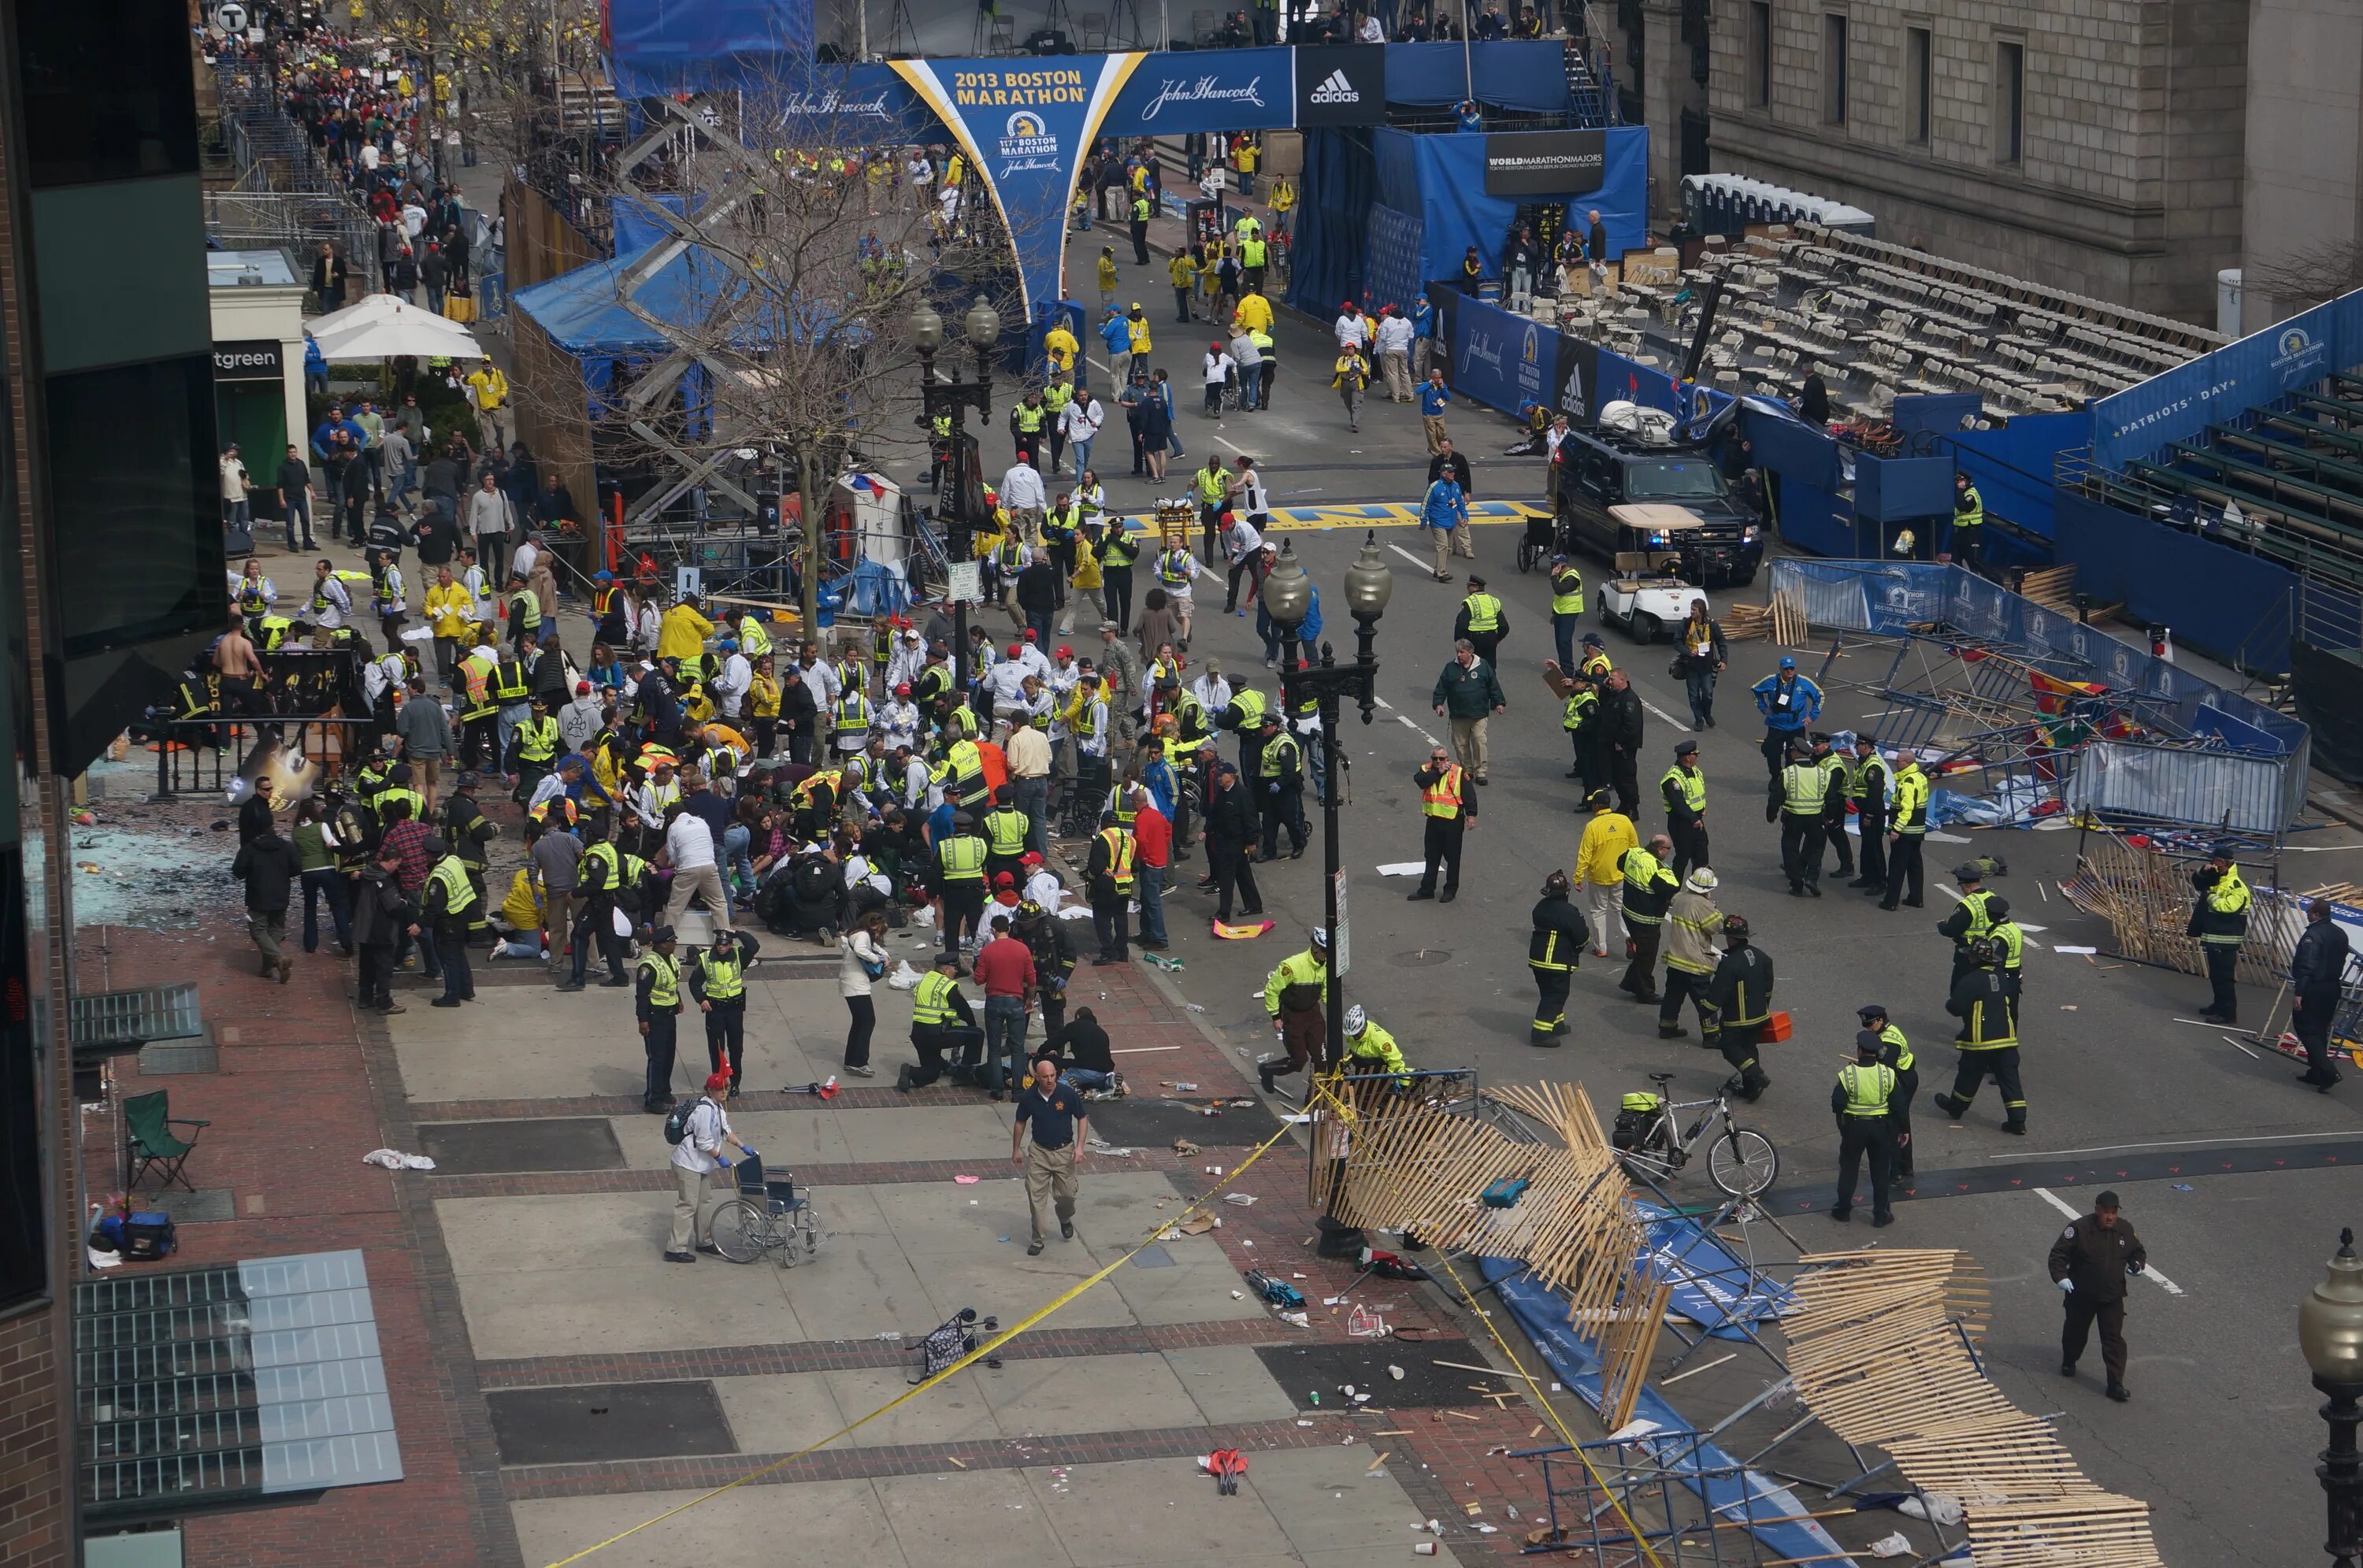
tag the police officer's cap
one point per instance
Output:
(1870, 1011)
(1969, 871)
(1591, 640)
(2106, 1201)
(399, 773)
(659, 937)
(1272, 721)
(1798, 750)
(2225, 850)
(1868, 740)
(1476, 582)
(1821, 737)
(1998, 909)
(1685, 748)
(1866, 1045)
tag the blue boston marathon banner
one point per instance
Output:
(1178, 93)
(1024, 124)
(2179, 404)
(1501, 359)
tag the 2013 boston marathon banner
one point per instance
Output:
(1024, 124)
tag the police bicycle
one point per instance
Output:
(768, 1216)
(1652, 1146)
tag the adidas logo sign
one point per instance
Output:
(1335, 90)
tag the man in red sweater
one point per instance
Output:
(1005, 969)
(1152, 838)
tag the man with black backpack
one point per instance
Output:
(656, 1001)
(698, 1129)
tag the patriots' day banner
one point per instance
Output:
(1023, 126)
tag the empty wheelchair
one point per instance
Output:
(768, 1216)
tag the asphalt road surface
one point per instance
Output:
(2232, 1173)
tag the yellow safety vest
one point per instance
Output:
(931, 1004)
(1802, 788)
(1979, 921)
(962, 857)
(1212, 483)
(852, 713)
(1691, 783)
(1579, 709)
(1279, 756)
(1640, 869)
(1890, 1035)
(2013, 943)
(1911, 797)
(458, 892)
(1868, 1086)
(1251, 253)
(509, 683)
(1006, 827)
(1484, 612)
(1251, 705)
(664, 994)
(726, 979)
(417, 801)
(1029, 419)
(537, 740)
(1119, 844)
(1442, 797)
(1567, 592)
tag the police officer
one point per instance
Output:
(1969, 524)
(1970, 919)
(1987, 1039)
(1579, 717)
(1867, 789)
(657, 1003)
(1371, 1050)
(942, 1027)
(1649, 889)
(2219, 919)
(1738, 1005)
(1483, 620)
(718, 980)
(1567, 607)
(1448, 808)
(1554, 953)
(2090, 1262)
(469, 835)
(1005, 835)
(1683, 788)
(1895, 1052)
(960, 881)
(609, 878)
(1280, 788)
(1296, 996)
(1906, 837)
(1795, 798)
(1837, 773)
(2009, 944)
(1862, 1101)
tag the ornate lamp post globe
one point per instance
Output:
(1288, 591)
(983, 327)
(927, 330)
(2330, 1332)
(1369, 582)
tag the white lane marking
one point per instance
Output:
(2170, 1143)
(1428, 568)
(1404, 720)
(2054, 1199)
(2235, 1039)
(1662, 713)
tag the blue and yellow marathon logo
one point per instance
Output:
(1368, 515)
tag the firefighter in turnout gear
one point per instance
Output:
(1682, 788)
(718, 980)
(1837, 770)
(2219, 919)
(1986, 1040)
(469, 835)
(1895, 1052)
(1863, 1100)
(1738, 1005)
(1296, 995)
(1909, 831)
(1970, 919)
(1795, 798)
(1692, 923)
(1867, 789)
(1649, 888)
(1554, 953)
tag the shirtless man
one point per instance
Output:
(240, 670)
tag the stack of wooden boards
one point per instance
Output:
(1883, 1352)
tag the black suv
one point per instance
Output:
(1599, 472)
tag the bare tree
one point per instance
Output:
(2308, 275)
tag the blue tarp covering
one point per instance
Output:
(637, 226)
(2179, 404)
(1530, 75)
(1543, 1314)
(1711, 1287)
(662, 46)
(1441, 178)
(1340, 183)
(582, 314)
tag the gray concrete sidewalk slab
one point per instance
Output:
(1230, 1384)
(754, 1527)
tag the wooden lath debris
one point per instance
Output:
(1879, 1352)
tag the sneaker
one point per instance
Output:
(390, 1008)
(680, 1258)
(864, 1071)
(1034, 1249)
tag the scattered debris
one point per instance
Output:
(967, 1180)
(397, 1162)
(1244, 1201)
(1184, 1146)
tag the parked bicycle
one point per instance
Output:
(1653, 1146)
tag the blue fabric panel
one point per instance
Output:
(1391, 273)
(660, 44)
(1512, 74)
(1503, 359)
(1796, 452)
(1814, 519)
(582, 314)
(1176, 94)
(1341, 183)
(2179, 404)
(2213, 596)
(1623, 380)
(1933, 410)
(1442, 176)
(637, 227)
(1889, 490)
(2013, 467)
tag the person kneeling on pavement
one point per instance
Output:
(944, 1029)
(1080, 1047)
(697, 1159)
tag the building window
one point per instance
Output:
(2009, 101)
(1759, 54)
(1919, 83)
(1834, 70)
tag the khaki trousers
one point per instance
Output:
(705, 879)
(557, 925)
(1468, 746)
(1050, 1173)
(1434, 425)
(695, 1199)
(1450, 542)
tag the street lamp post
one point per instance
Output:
(951, 398)
(1287, 598)
(2330, 1332)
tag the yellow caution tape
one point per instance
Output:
(965, 1361)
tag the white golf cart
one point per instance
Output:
(1648, 597)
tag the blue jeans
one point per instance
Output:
(1033, 800)
(1004, 1039)
(739, 865)
(1082, 450)
(511, 717)
(327, 883)
(1149, 882)
(1086, 1079)
(1563, 632)
(1699, 687)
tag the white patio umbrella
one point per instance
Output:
(382, 325)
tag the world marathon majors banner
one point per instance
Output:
(1024, 124)
(1544, 163)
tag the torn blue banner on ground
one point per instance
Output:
(1712, 1287)
(1729, 1491)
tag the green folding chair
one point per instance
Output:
(148, 1139)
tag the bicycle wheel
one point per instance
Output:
(741, 1229)
(1742, 1162)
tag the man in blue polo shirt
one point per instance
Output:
(1055, 1111)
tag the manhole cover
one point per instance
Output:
(1423, 958)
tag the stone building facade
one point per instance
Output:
(2096, 145)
